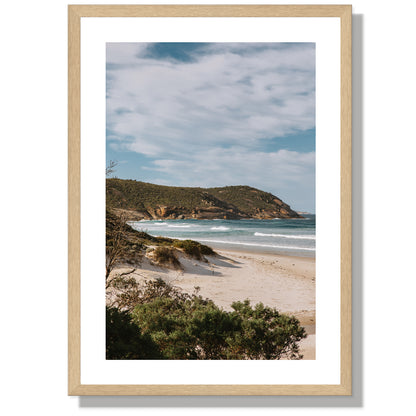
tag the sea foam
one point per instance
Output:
(300, 237)
(179, 226)
(257, 245)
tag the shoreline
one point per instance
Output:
(261, 251)
(256, 249)
(284, 282)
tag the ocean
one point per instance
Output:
(281, 236)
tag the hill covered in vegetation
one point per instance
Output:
(141, 200)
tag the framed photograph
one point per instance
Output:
(209, 200)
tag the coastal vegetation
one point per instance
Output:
(164, 323)
(166, 256)
(194, 249)
(141, 200)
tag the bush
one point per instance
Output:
(124, 340)
(206, 250)
(129, 292)
(166, 256)
(161, 321)
(265, 333)
(193, 248)
(197, 329)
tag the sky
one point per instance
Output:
(214, 114)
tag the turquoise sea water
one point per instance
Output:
(282, 236)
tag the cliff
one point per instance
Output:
(140, 200)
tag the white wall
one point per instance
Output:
(33, 222)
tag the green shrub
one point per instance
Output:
(166, 256)
(124, 340)
(265, 333)
(149, 239)
(160, 321)
(129, 292)
(196, 328)
(206, 250)
(193, 248)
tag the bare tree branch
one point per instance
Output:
(111, 167)
(115, 244)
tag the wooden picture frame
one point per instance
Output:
(75, 14)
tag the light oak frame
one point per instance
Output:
(75, 13)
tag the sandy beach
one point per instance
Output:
(283, 282)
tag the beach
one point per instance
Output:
(286, 283)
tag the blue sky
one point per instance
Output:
(214, 114)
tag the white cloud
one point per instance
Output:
(220, 98)
(126, 53)
(210, 167)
